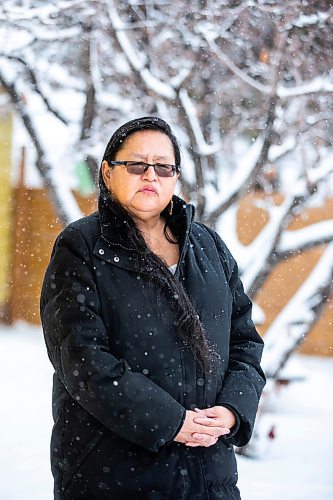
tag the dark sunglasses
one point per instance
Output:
(140, 167)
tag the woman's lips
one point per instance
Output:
(148, 189)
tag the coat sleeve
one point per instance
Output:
(244, 379)
(126, 402)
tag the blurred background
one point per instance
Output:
(247, 87)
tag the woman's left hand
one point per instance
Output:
(216, 416)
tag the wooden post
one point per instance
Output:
(5, 210)
(18, 238)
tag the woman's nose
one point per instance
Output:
(150, 173)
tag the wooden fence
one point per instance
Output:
(35, 227)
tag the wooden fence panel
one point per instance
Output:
(36, 228)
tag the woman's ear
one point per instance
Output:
(106, 173)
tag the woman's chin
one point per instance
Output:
(145, 211)
(148, 204)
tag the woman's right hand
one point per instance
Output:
(193, 434)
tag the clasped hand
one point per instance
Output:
(204, 427)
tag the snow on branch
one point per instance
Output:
(63, 200)
(24, 14)
(35, 85)
(244, 169)
(48, 35)
(318, 85)
(156, 85)
(303, 20)
(177, 80)
(265, 89)
(324, 169)
(60, 76)
(241, 179)
(301, 239)
(135, 58)
(277, 151)
(298, 316)
(260, 250)
(203, 148)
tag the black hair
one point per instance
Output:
(190, 331)
(139, 124)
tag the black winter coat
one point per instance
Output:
(122, 380)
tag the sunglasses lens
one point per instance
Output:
(163, 170)
(135, 168)
(138, 168)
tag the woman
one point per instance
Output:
(149, 331)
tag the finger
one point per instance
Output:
(207, 421)
(211, 412)
(197, 436)
(207, 441)
(194, 444)
(224, 431)
(202, 412)
(211, 431)
(210, 422)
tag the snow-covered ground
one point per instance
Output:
(298, 465)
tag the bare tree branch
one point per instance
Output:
(319, 85)
(137, 60)
(264, 89)
(257, 168)
(56, 194)
(300, 240)
(24, 14)
(36, 86)
(89, 108)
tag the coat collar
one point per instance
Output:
(115, 226)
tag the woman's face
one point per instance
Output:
(143, 196)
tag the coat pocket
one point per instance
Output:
(84, 455)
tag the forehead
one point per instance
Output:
(148, 142)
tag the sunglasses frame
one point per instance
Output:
(128, 163)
